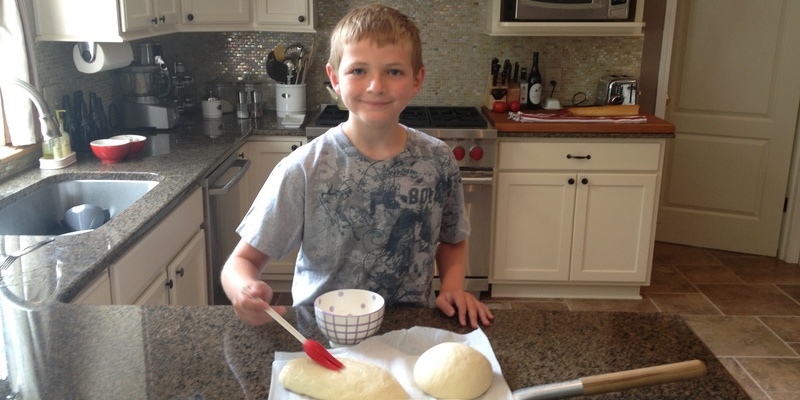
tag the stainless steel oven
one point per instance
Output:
(472, 139)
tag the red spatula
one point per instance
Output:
(313, 349)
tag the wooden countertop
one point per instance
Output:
(654, 126)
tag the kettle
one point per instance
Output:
(335, 97)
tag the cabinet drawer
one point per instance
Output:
(583, 156)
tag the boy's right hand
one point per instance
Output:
(251, 302)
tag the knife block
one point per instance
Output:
(495, 89)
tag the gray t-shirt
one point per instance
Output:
(360, 223)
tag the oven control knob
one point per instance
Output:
(476, 153)
(459, 152)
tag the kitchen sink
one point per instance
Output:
(41, 211)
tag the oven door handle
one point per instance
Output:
(476, 180)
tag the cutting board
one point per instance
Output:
(503, 124)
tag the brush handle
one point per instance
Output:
(277, 317)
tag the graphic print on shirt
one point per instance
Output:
(391, 208)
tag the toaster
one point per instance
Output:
(617, 90)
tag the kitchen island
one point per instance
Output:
(205, 352)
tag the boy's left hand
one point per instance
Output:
(466, 305)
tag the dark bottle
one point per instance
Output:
(535, 85)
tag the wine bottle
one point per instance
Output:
(535, 85)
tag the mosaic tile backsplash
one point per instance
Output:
(456, 52)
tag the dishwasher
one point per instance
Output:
(224, 210)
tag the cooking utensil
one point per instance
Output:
(308, 60)
(291, 70)
(313, 349)
(276, 70)
(615, 381)
(19, 253)
(280, 53)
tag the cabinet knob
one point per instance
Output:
(294, 147)
(571, 181)
(170, 284)
(301, 18)
(162, 18)
(241, 155)
(190, 17)
(179, 272)
(584, 181)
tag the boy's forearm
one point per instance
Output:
(451, 260)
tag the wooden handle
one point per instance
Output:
(642, 377)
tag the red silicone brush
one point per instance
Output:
(313, 349)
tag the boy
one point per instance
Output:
(371, 202)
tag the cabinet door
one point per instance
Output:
(167, 13)
(265, 155)
(137, 15)
(215, 11)
(613, 227)
(283, 12)
(157, 294)
(98, 292)
(188, 274)
(533, 226)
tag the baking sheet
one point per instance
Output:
(397, 352)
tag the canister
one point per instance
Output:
(223, 90)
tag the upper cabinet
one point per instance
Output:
(291, 15)
(496, 27)
(124, 20)
(103, 20)
(204, 14)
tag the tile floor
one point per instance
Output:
(745, 308)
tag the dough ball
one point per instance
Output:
(357, 381)
(453, 371)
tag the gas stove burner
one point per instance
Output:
(457, 117)
(332, 116)
(415, 117)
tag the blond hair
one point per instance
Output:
(380, 24)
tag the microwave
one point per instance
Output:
(567, 10)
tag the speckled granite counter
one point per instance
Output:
(205, 352)
(179, 162)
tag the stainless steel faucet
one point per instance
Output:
(50, 128)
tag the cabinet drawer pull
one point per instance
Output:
(586, 157)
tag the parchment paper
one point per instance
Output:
(397, 352)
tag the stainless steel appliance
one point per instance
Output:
(146, 85)
(617, 90)
(566, 10)
(223, 213)
(473, 142)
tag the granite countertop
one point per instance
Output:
(205, 352)
(178, 159)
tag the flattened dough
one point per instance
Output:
(357, 381)
(453, 371)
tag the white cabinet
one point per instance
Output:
(157, 16)
(184, 280)
(496, 27)
(204, 15)
(142, 275)
(285, 15)
(265, 152)
(575, 218)
(98, 292)
(125, 20)
(103, 20)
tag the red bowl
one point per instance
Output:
(110, 150)
(137, 143)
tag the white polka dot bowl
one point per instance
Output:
(348, 316)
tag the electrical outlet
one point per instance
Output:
(552, 74)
